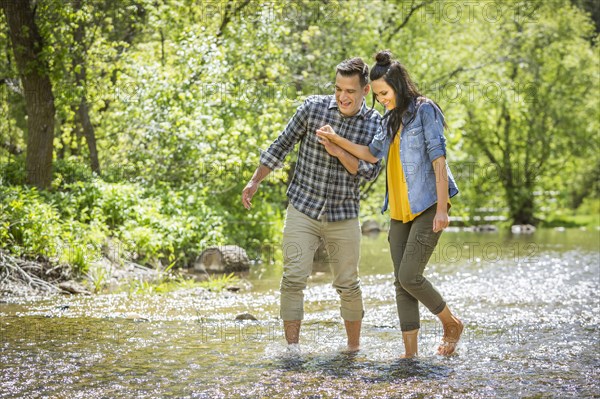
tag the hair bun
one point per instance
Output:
(384, 58)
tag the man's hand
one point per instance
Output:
(326, 132)
(248, 193)
(261, 172)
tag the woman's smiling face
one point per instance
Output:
(384, 93)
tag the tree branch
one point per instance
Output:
(226, 19)
(413, 9)
(460, 69)
(364, 192)
(481, 143)
(11, 148)
(229, 14)
(13, 84)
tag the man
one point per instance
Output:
(324, 196)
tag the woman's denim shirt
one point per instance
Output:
(421, 142)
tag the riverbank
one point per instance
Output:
(41, 278)
(529, 303)
(20, 277)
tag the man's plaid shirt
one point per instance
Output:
(321, 185)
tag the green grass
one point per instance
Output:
(587, 215)
(579, 220)
(219, 282)
(176, 281)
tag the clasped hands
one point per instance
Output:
(327, 137)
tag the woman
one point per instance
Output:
(419, 187)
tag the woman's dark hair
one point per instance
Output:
(354, 66)
(395, 75)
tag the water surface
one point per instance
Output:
(530, 304)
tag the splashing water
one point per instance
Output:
(530, 306)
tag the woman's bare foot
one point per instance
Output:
(411, 341)
(452, 333)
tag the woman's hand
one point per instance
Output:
(332, 149)
(331, 141)
(440, 221)
(326, 132)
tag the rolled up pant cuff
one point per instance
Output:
(437, 310)
(352, 315)
(288, 315)
(409, 326)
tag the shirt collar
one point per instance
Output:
(363, 109)
(410, 112)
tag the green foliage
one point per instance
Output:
(31, 226)
(28, 225)
(98, 277)
(169, 281)
(176, 281)
(587, 215)
(184, 95)
(590, 206)
(13, 171)
(156, 224)
(70, 170)
(538, 113)
(219, 282)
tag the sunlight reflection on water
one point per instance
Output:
(532, 328)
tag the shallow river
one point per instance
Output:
(530, 304)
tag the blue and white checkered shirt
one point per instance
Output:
(321, 184)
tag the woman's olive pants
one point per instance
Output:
(411, 246)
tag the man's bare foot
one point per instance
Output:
(352, 348)
(452, 333)
(291, 329)
(353, 333)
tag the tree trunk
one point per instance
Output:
(521, 206)
(90, 135)
(33, 70)
(81, 80)
(519, 197)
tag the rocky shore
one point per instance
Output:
(39, 277)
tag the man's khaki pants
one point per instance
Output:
(301, 238)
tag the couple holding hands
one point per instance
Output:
(341, 141)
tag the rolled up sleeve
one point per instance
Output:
(273, 157)
(367, 170)
(433, 129)
(380, 144)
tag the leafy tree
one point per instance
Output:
(174, 100)
(539, 111)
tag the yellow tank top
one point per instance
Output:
(397, 188)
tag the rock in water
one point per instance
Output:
(245, 316)
(223, 259)
(522, 229)
(73, 287)
(485, 228)
(370, 227)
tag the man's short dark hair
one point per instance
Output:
(354, 66)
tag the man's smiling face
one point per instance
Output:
(349, 94)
